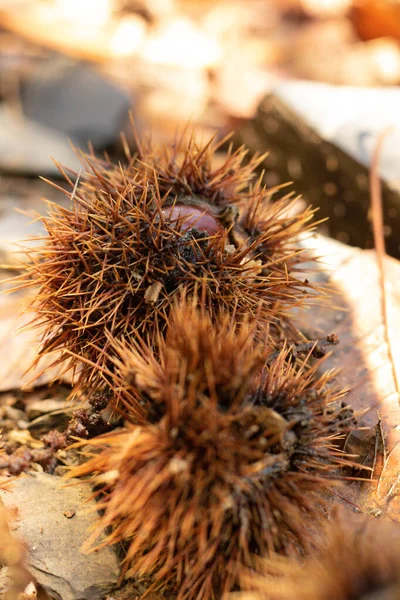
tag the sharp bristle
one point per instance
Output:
(356, 557)
(117, 241)
(167, 288)
(232, 457)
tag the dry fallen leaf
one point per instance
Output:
(53, 540)
(366, 367)
(376, 18)
(19, 347)
(14, 577)
(75, 29)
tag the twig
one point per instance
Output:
(379, 242)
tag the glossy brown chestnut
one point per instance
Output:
(193, 217)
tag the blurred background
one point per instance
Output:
(311, 81)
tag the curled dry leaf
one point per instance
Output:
(368, 366)
(19, 347)
(11, 559)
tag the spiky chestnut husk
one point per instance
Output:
(232, 463)
(358, 559)
(136, 235)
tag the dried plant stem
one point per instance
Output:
(379, 241)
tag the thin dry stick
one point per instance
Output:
(379, 241)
